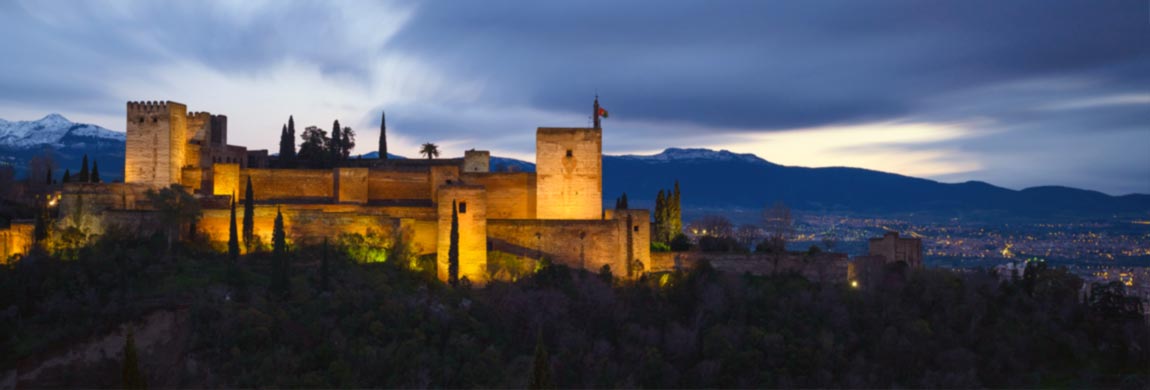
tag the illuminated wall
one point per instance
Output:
(156, 141)
(15, 240)
(226, 180)
(509, 195)
(635, 234)
(471, 202)
(315, 185)
(398, 185)
(569, 173)
(351, 185)
(441, 175)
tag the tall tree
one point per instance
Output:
(541, 369)
(280, 279)
(661, 217)
(336, 146)
(453, 249)
(67, 176)
(233, 236)
(430, 150)
(291, 138)
(383, 136)
(177, 208)
(285, 143)
(348, 142)
(132, 377)
(675, 223)
(249, 216)
(95, 171)
(84, 175)
(315, 147)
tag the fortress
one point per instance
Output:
(555, 213)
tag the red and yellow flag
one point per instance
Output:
(602, 112)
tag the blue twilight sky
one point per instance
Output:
(1016, 93)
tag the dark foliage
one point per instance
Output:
(453, 249)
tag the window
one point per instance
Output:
(463, 207)
(636, 228)
(568, 152)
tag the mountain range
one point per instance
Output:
(710, 180)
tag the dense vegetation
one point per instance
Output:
(382, 324)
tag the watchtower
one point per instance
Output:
(569, 173)
(156, 143)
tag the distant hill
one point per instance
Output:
(711, 180)
(65, 141)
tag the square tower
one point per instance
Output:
(569, 173)
(156, 143)
(471, 208)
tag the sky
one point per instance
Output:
(1014, 93)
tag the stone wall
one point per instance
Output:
(287, 184)
(156, 143)
(398, 185)
(226, 180)
(351, 185)
(16, 239)
(588, 244)
(471, 203)
(895, 248)
(569, 173)
(442, 175)
(824, 267)
(509, 195)
(302, 223)
(635, 234)
(476, 161)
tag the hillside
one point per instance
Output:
(65, 141)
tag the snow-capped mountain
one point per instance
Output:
(53, 130)
(62, 142)
(677, 154)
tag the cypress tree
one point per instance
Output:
(383, 136)
(346, 143)
(284, 142)
(291, 138)
(84, 170)
(453, 250)
(336, 146)
(541, 370)
(249, 216)
(233, 237)
(67, 176)
(95, 171)
(625, 205)
(660, 216)
(133, 378)
(280, 281)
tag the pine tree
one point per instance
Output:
(453, 249)
(132, 377)
(383, 136)
(541, 371)
(660, 217)
(67, 176)
(249, 216)
(84, 170)
(233, 237)
(95, 171)
(336, 147)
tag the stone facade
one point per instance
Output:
(569, 173)
(894, 249)
(16, 239)
(555, 214)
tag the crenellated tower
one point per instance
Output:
(157, 138)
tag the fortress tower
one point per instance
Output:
(569, 173)
(156, 143)
(471, 203)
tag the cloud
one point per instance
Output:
(1002, 91)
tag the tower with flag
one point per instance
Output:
(600, 112)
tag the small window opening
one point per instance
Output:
(154, 120)
(568, 152)
(448, 181)
(462, 207)
(636, 227)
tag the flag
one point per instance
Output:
(602, 112)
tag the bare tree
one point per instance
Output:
(748, 235)
(779, 225)
(713, 226)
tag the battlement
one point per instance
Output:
(150, 107)
(200, 115)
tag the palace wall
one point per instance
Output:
(509, 195)
(895, 248)
(398, 185)
(316, 185)
(470, 201)
(155, 143)
(16, 239)
(569, 173)
(351, 185)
